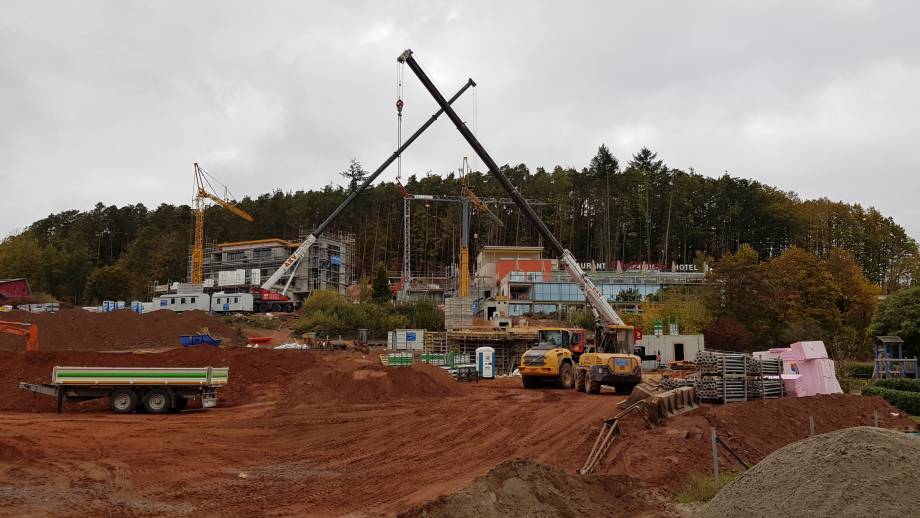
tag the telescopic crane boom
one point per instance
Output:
(602, 310)
(308, 242)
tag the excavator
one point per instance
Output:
(30, 331)
(611, 362)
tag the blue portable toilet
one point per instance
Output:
(485, 362)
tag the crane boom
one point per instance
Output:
(308, 242)
(602, 309)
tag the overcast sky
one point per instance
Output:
(114, 101)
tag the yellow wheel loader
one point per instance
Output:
(554, 360)
(609, 364)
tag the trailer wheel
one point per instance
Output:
(123, 401)
(288, 308)
(157, 401)
(180, 404)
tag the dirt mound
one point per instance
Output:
(79, 330)
(355, 379)
(528, 489)
(666, 455)
(852, 472)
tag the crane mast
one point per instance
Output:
(301, 250)
(602, 310)
(201, 194)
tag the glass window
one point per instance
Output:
(172, 301)
(236, 300)
(235, 256)
(193, 300)
(182, 301)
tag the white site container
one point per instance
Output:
(485, 362)
(231, 302)
(408, 339)
(180, 302)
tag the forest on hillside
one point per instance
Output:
(640, 210)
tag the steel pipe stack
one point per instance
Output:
(766, 381)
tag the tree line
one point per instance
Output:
(642, 210)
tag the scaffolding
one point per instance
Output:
(329, 264)
(509, 345)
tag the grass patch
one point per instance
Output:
(699, 489)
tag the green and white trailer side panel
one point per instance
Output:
(109, 376)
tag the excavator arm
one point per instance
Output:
(603, 311)
(30, 331)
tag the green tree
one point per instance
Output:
(899, 315)
(108, 283)
(355, 174)
(380, 288)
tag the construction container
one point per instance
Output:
(406, 339)
(485, 362)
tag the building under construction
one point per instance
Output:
(239, 265)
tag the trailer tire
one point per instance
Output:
(123, 401)
(288, 308)
(179, 404)
(157, 401)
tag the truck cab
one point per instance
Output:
(554, 358)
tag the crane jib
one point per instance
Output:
(302, 249)
(595, 299)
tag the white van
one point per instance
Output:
(231, 302)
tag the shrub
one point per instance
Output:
(906, 401)
(860, 369)
(330, 314)
(905, 384)
(702, 488)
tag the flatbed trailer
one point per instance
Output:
(156, 390)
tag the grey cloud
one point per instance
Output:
(113, 101)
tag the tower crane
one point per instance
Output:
(202, 193)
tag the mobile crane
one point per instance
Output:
(612, 362)
(267, 294)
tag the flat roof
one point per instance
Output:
(490, 248)
(255, 242)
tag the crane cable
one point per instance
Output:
(400, 71)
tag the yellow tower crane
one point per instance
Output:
(201, 193)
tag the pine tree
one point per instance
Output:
(380, 288)
(355, 174)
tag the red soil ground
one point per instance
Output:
(334, 433)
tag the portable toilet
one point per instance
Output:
(485, 362)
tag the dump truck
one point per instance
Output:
(155, 390)
(615, 354)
